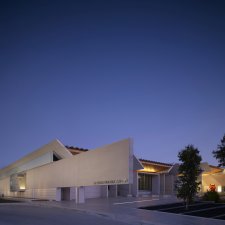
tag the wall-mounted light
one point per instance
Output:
(22, 187)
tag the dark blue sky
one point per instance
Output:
(93, 72)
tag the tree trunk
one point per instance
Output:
(187, 205)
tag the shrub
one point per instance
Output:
(211, 196)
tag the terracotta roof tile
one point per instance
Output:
(155, 162)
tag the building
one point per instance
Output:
(58, 172)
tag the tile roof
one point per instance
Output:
(155, 162)
(76, 148)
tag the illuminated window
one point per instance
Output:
(145, 182)
(219, 188)
(18, 182)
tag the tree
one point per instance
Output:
(219, 153)
(189, 170)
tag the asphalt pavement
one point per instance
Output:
(35, 215)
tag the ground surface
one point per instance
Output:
(3, 200)
(110, 211)
(201, 209)
(32, 215)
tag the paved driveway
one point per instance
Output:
(21, 214)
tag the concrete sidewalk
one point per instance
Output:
(126, 210)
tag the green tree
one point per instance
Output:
(219, 153)
(187, 185)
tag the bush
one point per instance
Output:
(211, 196)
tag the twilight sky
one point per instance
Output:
(93, 72)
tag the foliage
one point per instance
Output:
(219, 153)
(212, 187)
(211, 196)
(187, 185)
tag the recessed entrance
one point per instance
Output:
(65, 194)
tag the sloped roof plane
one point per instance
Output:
(18, 166)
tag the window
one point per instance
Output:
(56, 157)
(223, 188)
(144, 182)
(18, 182)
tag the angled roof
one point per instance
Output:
(210, 169)
(154, 167)
(137, 164)
(54, 146)
(155, 162)
(76, 150)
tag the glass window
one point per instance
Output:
(223, 189)
(144, 182)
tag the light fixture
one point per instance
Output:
(219, 188)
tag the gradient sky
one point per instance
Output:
(93, 72)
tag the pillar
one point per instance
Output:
(129, 190)
(58, 194)
(159, 184)
(80, 194)
(164, 185)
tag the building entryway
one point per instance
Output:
(65, 194)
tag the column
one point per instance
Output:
(159, 184)
(164, 185)
(58, 194)
(172, 182)
(80, 194)
(104, 191)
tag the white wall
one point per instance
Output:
(134, 187)
(47, 193)
(39, 161)
(36, 158)
(169, 189)
(108, 164)
(123, 190)
(155, 184)
(93, 192)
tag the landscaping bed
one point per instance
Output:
(4, 200)
(201, 209)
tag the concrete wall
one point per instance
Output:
(46, 193)
(72, 193)
(39, 157)
(104, 191)
(155, 184)
(112, 190)
(134, 187)
(123, 190)
(108, 164)
(169, 188)
(5, 186)
(39, 161)
(166, 184)
(162, 183)
(104, 166)
(93, 192)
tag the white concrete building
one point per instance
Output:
(58, 172)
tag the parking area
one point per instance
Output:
(36, 215)
(118, 210)
(199, 209)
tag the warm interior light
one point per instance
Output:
(219, 188)
(148, 169)
(22, 187)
